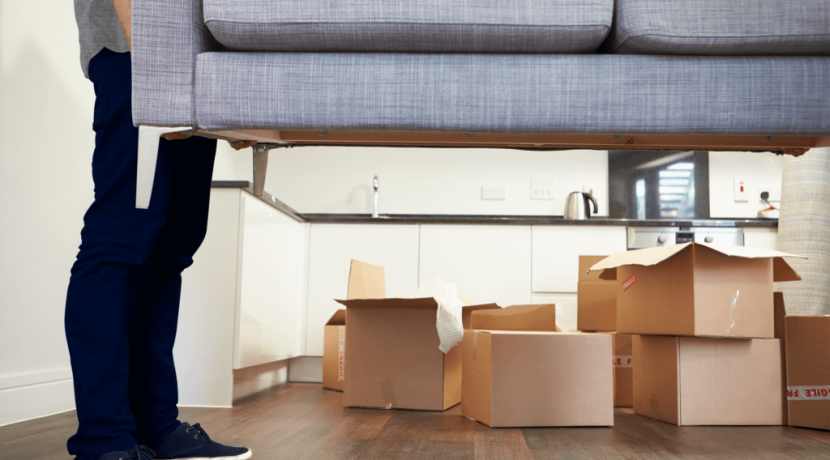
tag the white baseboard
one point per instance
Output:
(306, 369)
(204, 407)
(35, 400)
(250, 380)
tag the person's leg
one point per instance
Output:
(153, 304)
(116, 238)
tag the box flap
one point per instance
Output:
(585, 263)
(337, 319)
(426, 302)
(653, 256)
(366, 281)
(485, 306)
(516, 318)
(468, 310)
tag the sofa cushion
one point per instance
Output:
(516, 26)
(722, 27)
(513, 93)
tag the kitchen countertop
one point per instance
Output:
(490, 219)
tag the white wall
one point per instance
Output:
(428, 181)
(759, 170)
(46, 144)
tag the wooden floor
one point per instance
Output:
(303, 421)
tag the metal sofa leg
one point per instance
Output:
(148, 151)
(261, 166)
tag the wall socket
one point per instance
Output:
(774, 193)
(541, 188)
(493, 192)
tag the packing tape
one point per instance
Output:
(475, 344)
(388, 394)
(341, 353)
(732, 307)
(809, 393)
(622, 361)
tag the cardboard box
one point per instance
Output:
(596, 306)
(622, 363)
(596, 299)
(540, 318)
(468, 310)
(393, 360)
(334, 352)
(708, 381)
(808, 371)
(524, 379)
(696, 289)
(781, 333)
(366, 281)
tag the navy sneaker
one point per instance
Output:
(191, 442)
(136, 453)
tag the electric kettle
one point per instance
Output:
(577, 207)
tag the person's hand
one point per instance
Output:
(237, 145)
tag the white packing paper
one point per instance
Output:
(448, 320)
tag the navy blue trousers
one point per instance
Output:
(123, 299)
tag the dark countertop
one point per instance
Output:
(489, 219)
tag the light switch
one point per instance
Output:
(741, 194)
(541, 188)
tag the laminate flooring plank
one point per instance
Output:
(500, 444)
(577, 443)
(401, 437)
(305, 422)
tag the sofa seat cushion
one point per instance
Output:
(515, 93)
(722, 27)
(474, 26)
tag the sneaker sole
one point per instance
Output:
(244, 456)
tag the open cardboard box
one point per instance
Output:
(708, 381)
(808, 371)
(334, 352)
(518, 378)
(366, 281)
(596, 298)
(696, 289)
(622, 361)
(539, 318)
(392, 359)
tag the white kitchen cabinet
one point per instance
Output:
(205, 339)
(333, 246)
(270, 280)
(556, 251)
(565, 308)
(487, 263)
(765, 238)
(242, 301)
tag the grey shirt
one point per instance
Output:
(98, 28)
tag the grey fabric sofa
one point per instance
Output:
(692, 74)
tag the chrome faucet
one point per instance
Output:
(376, 187)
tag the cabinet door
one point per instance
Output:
(204, 350)
(270, 279)
(487, 263)
(556, 251)
(766, 238)
(333, 246)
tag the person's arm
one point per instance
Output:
(123, 9)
